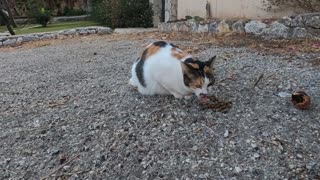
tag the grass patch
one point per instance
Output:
(35, 28)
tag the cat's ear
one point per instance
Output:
(210, 61)
(191, 65)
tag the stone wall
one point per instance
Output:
(230, 9)
(300, 26)
(19, 39)
(171, 7)
(156, 7)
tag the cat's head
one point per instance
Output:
(198, 75)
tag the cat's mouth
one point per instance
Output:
(203, 96)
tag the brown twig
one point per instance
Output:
(258, 80)
(10, 171)
(60, 167)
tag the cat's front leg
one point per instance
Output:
(177, 95)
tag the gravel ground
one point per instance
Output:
(67, 113)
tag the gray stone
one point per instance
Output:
(193, 24)
(3, 38)
(48, 36)
(184, 27)
(9, 42)
(287, 21)
(213, 27)
(255, 27)
(203, 28)
(69, 32)
(30, 38)
(299, 32)
(297, 21)
(238, 27)
(175, 27)
(83, 32)
(276, 30)
(19, 40)
(104, 30)
(163, 27)
(224, 27)
(313, 22)
(91, 31)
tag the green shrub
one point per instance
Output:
(73, 12)
(36, 10)
(101, 12)
(188, 17)
(42, 16)
(122, 13)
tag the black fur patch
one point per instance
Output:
(174, 45)
(160, 44)
(199, 63)
(139, 68)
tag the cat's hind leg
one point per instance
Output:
(133, 81)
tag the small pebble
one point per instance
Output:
(66, 168)
(256, 155)
(237, 169)
(195, 148)
(226, 134)
(299, 156)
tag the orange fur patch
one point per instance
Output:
(207, 70)
(197, 83)
(196, 66)
(179, 55)
(152, 50)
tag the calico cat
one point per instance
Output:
(163, 68)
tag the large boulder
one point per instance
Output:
(299, 32)
(69, 32)
(255, 27)
(238, 27)
(287, 21)
(30, 38)
(193, 24)
(276, 30)
(203, 28)
(104, 30)
(313, 21)
(213, 27)
(9, 42)
(224, 27)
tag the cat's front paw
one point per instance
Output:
(176, 95)
(188, 96)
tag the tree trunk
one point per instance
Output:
(11, 20)
(5, 18)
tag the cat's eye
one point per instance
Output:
(198, 86)
(210, 84)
